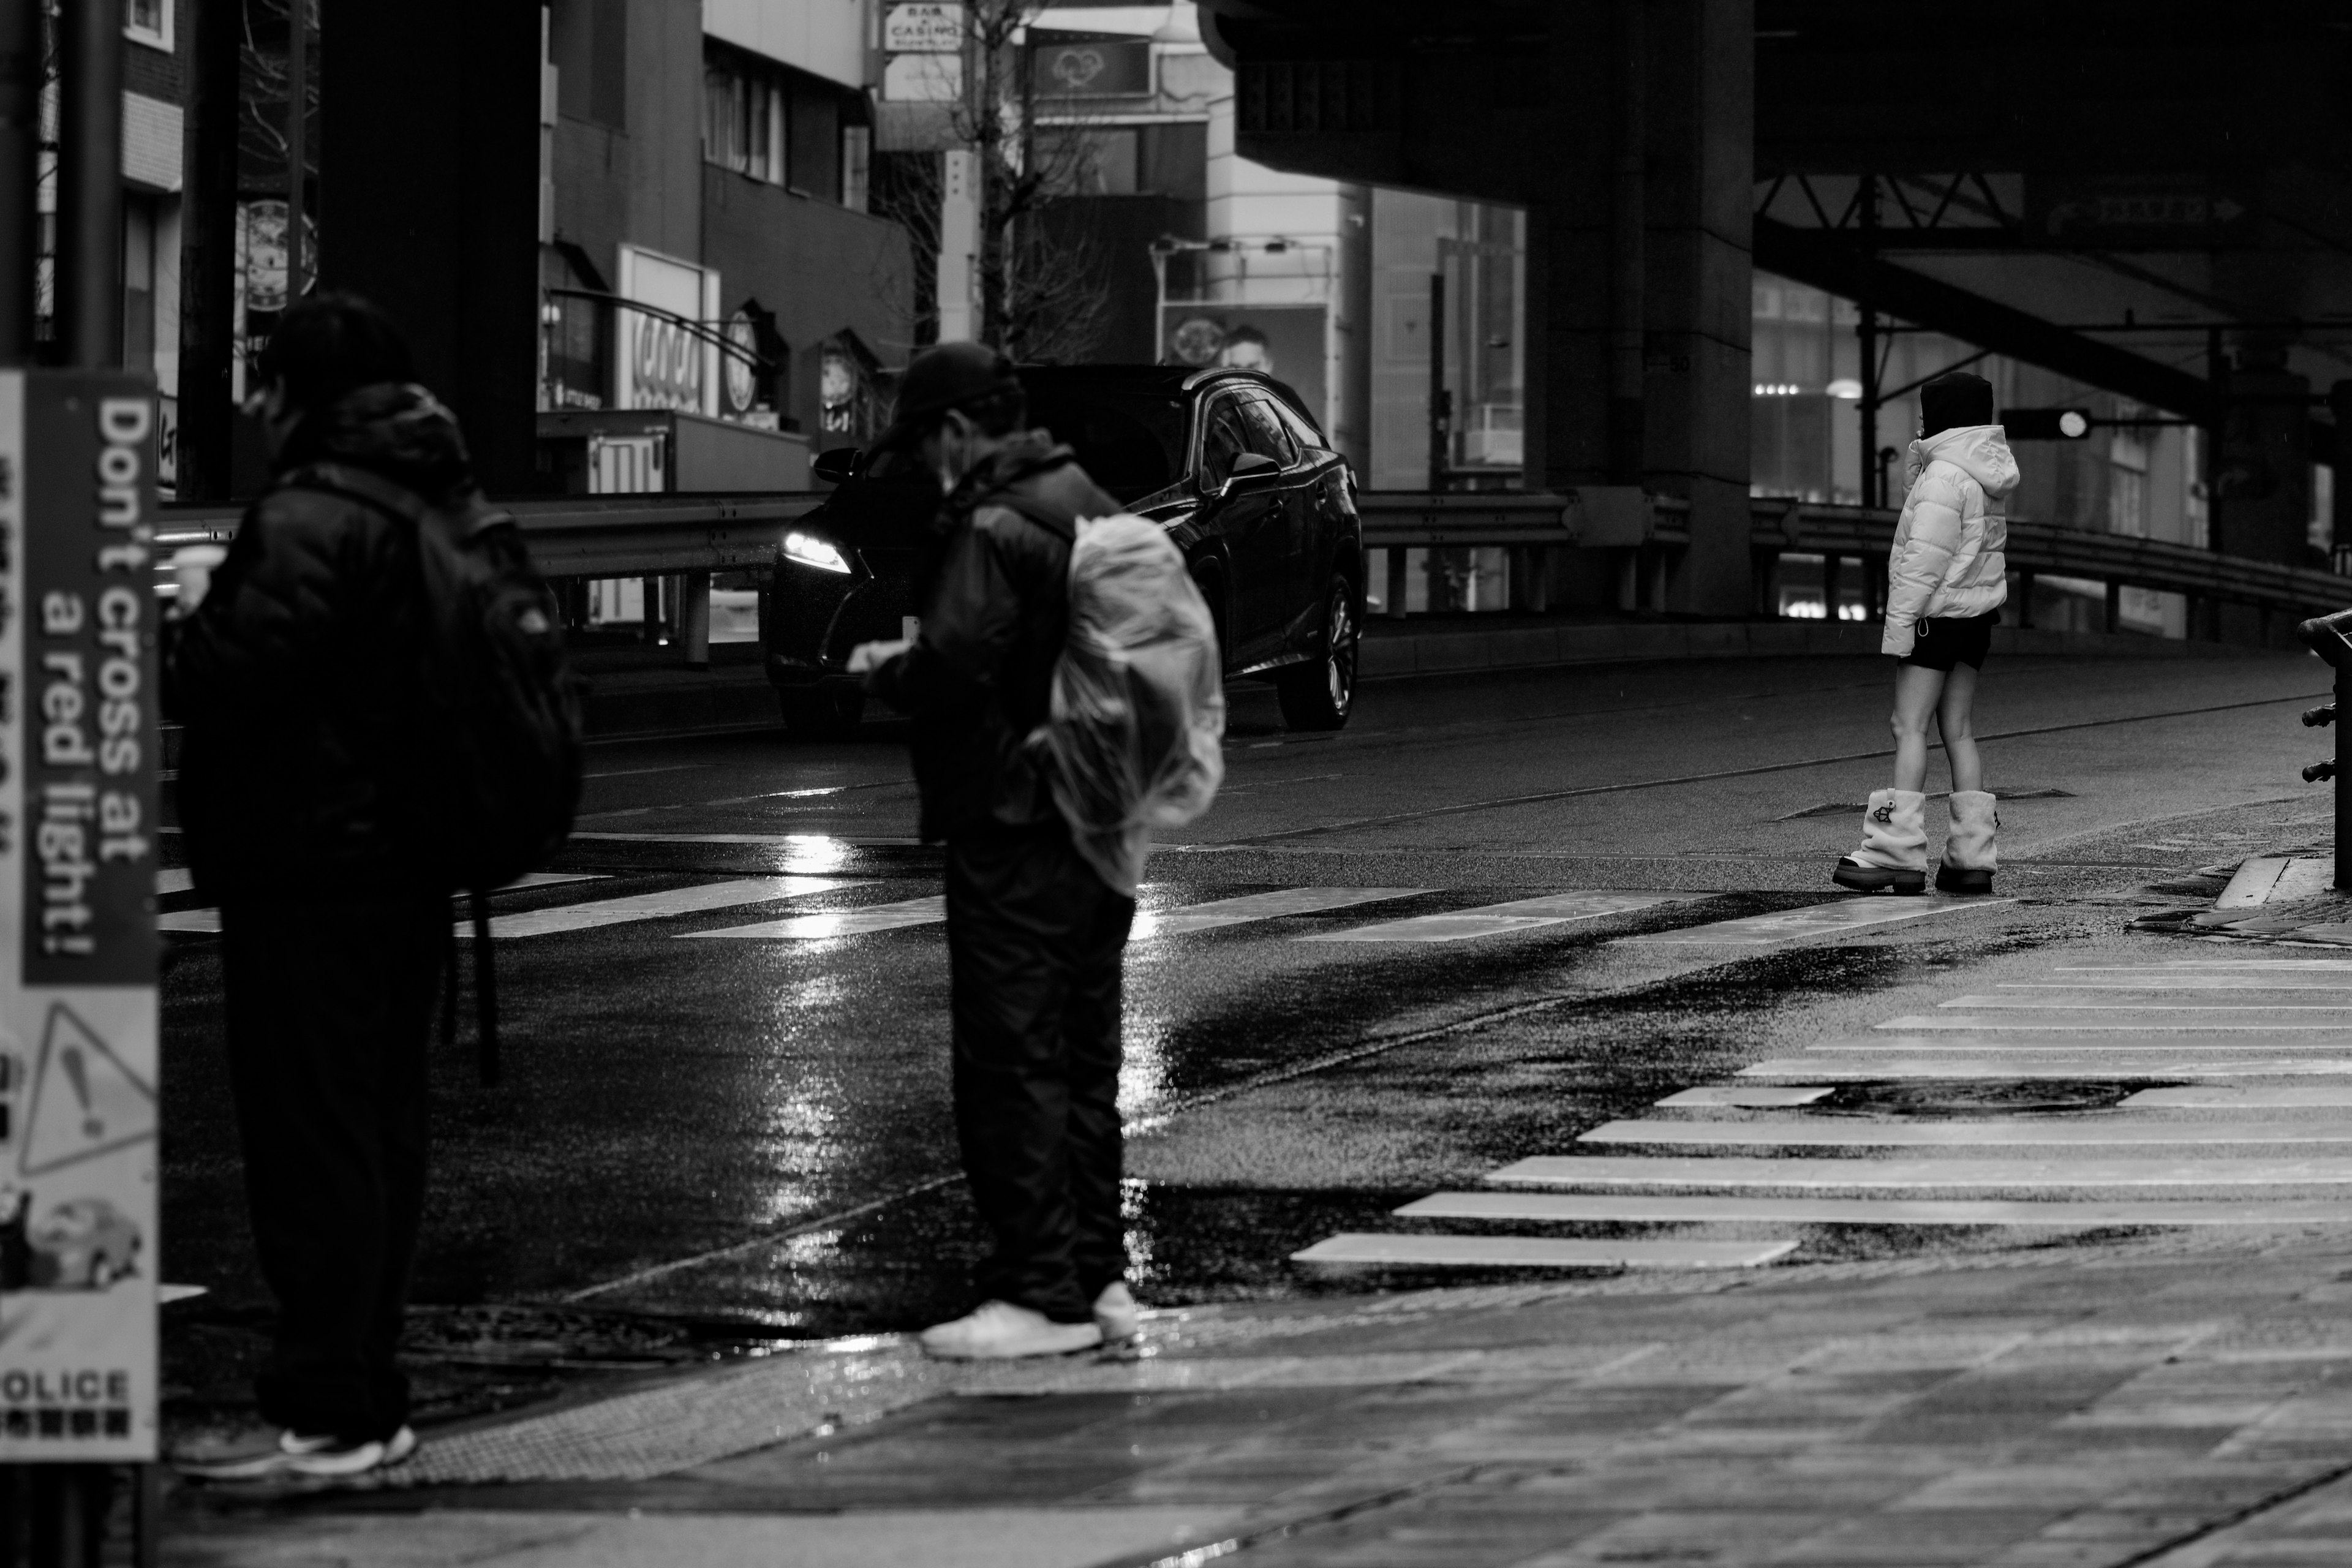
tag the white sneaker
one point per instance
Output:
(1116, 1313)
(999, 1330)
(292, 1454)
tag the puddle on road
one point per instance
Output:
(2026, 1097)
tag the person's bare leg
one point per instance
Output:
(1955, 717)
(1915, 694)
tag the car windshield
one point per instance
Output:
(1131, 441)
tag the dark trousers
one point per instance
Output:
(1034, 940)
(329, 1006)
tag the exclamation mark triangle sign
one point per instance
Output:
(85, 1101)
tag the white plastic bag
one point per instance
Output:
(1138, 720)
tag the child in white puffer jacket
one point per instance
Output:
(1946, 580)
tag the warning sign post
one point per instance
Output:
(78, 834)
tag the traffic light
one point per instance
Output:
(2046, 424)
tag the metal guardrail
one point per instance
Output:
(2036, 549)
(593, 536)
(628, 536)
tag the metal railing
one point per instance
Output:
(629, 536)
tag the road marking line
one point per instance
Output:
(1496, 920)
(829, 923)
(2184, 982)
(655, 906)
(2192, 966)
(1843, 1133)
(772, 840)
(1829, 919)
(2074, 1044)
(1741, 1170)
(1814, 1069)
(2169, 1024)
(1220, 913)
(2056, 1004)
(1541, 1252)
(1703, 1209)
(207, 922)
(2244, 1096)
(174, 879)
(1747, 1094)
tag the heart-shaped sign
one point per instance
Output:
(1074, 69)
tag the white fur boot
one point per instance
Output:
(1893, 854)
(1970, 854)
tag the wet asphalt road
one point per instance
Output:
(756, 1133)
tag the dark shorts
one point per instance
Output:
(1940, 644)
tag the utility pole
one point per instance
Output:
(1867, 333)
(1628, 246)
(89, 183)
(208, 249)
(20, 141)
(297, 154)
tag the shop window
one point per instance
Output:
(148, 22)
(743, 122)
(856, 166)
(139, 282)
(813, 143)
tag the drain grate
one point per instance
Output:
(2014, 1099)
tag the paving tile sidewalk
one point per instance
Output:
(2156, 1398)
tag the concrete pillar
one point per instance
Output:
(2263, 474)
(2339, 402)
(429, 201)
(1645, 219)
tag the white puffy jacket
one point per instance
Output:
(1946, 559)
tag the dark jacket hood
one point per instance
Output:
(1019, 459)
(402, 432)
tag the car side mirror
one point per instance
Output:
(836, 466)
(1251, 470)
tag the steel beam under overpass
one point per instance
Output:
(1828, 260)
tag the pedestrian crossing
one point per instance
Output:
(1504, 918)
(2239, 1120)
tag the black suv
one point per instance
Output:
(1226, 460)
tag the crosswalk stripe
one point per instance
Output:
(2244, 1096)
(2187, 984)
(827, 924)
(174, 880)
(1705, 1208)
(1845, 1132)
(2169, 1023)
(2158, 1042)
(1541, 1252)
(1497, 920)
(688, 901)
(1753, 1095)
(2116, 1068)
(2051, 1004)
(207, 922)
(2192, 966)
(1815, 920)
(1150, 924)
(1740, 1171)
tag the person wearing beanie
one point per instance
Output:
(1945, 581)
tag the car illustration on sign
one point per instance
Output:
(83, 1243)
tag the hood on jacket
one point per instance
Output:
(402, 432)
(1981, 451)
(1024, 457)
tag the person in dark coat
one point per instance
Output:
(1035, 936)
(294, 674)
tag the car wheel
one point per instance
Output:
(822, 715)
(1318, 695)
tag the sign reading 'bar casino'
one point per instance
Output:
(77, 946)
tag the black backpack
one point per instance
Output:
(501, 747)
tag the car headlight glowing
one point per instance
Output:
(808, 550)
